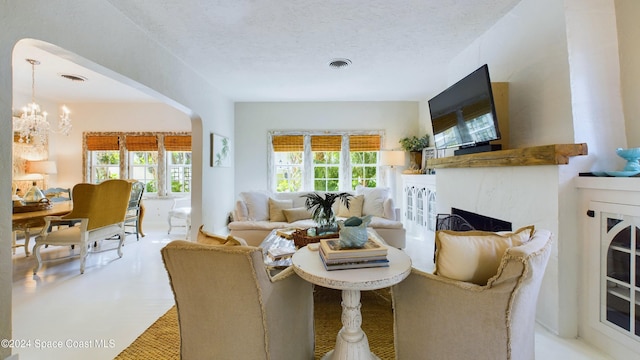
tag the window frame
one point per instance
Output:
(126, 166)
(307, 157)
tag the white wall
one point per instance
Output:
(97, 36)
(627, 13)
(527, 49)
(560, 60)
(254, 120)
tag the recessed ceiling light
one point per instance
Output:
(73, 77)
(339, 63)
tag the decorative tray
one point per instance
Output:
(301, 238)
(44, 204)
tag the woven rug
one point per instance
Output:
(162, 339)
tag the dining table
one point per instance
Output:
(26, 221)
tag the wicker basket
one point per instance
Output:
(43, 204)
(302, 239)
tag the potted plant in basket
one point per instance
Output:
(321, 208)
(414, 145)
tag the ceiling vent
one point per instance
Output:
(339, 63)
(73, 77)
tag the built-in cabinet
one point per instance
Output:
(612, 264)
(419, 204)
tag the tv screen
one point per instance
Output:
(464, 115)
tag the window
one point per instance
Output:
(104, 159)
(105, 165)
(179, 169)
(288, 151)
(364, 160)
(178, 163)
(143, 166)
(336, 161)
(161, 161)
(143, 160)
(326, 150)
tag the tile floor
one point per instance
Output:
(69, 316)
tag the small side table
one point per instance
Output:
(351, 342)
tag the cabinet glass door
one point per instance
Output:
(620, 271)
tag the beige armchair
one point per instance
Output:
(230, 308)
(100, 210)
(439, 318)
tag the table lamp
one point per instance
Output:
(42, 167)
(392, 159)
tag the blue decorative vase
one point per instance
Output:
(631, 155)
(354, 236)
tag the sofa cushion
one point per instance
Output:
(295, 214)
(276, 207)
(241, 213)
(355, 207)
(257, 205)
(373, 200)
(474, 256)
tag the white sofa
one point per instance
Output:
(257, 213)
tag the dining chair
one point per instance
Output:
(132, 219)
(58, 194)
(181, 210)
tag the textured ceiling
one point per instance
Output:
(279, 50)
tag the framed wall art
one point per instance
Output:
(220, 151)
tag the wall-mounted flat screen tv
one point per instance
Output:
(464, 115)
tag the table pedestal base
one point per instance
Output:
(351, 342)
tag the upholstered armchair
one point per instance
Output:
(100, 210)
(230, 308)
(440, 318)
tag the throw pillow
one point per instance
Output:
(276, 207)
(373, 200)
(207, 238)
(235, 241)
(296, 214)
(257, 205)
(355, 207)
(474, 256)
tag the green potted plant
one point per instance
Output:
(414, 145)
(321, 208)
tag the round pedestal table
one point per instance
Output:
(351, 342)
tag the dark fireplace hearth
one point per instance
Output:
(462, 220)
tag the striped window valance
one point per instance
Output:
(142, 143)
(364, 142)
(326, 143)
(177, 143)
(102, 142)
(287, 143)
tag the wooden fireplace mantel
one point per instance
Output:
(556, 154)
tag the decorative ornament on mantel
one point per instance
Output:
(32, 125)
(414, 145)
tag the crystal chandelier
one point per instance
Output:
(32, 125)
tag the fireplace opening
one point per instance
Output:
(481, 222)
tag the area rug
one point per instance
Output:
(162, 339)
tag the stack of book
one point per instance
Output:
(335, 257)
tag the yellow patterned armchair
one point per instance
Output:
(100, 210)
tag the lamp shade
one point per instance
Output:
(392, 158)
(42, 167)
